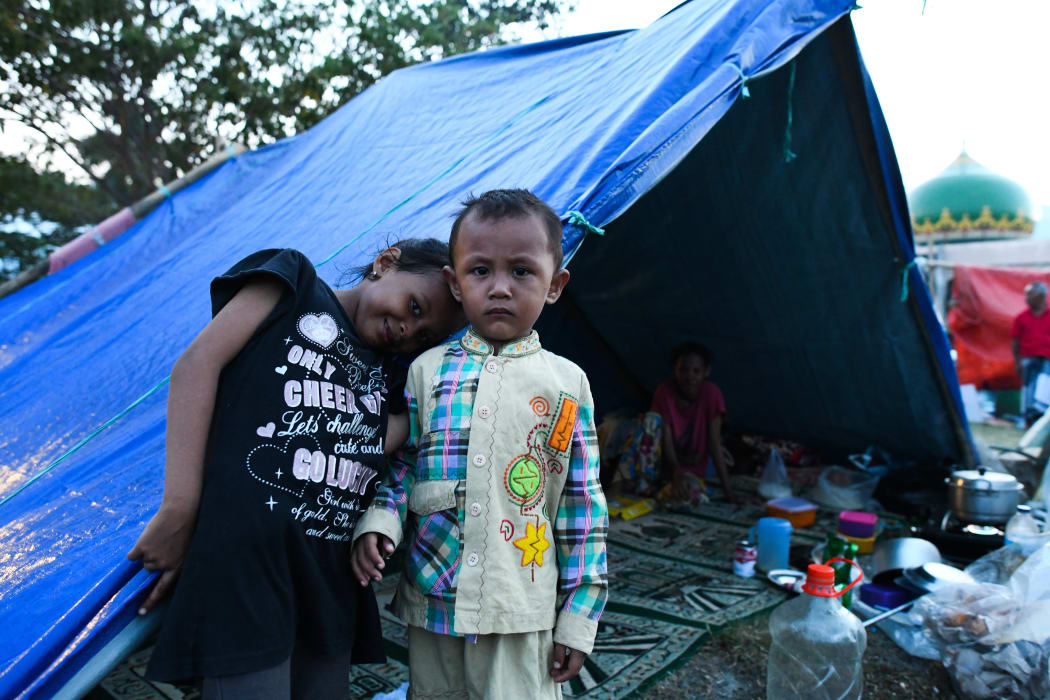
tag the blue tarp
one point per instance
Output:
(791, 269)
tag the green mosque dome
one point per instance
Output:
(968, 201)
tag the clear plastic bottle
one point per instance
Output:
(1021, 524)
(1024, 530)
(817, 644)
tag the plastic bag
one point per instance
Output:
(997, 566)
(774, 482)
(998, 612)
(398, 693)
(968, 613)
(839, 488)
(994, 636)
(1009, 671)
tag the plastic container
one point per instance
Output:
(797, 511)
(773, 536)
(817, 645)
(886, 595)
(865, 545)
(857, 523)
(1025, 531)
(630, 507)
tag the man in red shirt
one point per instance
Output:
(1031, 347)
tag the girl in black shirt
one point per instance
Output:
(276, 433)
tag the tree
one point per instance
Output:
(25, 236)
(133, 93)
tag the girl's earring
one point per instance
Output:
(373, 275)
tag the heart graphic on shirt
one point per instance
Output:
(270, 459)
(281, 370)
(319, 328)
(265, 431)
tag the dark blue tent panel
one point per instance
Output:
(788, 266)
(791, 271)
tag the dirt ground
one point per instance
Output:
(733, 665)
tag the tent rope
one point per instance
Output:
(790, 155)
(744, 92)
(578, 219)
(904, 280)
(156, 387)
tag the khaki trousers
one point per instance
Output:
(496, 667)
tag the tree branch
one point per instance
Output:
(63, 148)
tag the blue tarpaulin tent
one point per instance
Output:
(735, 154)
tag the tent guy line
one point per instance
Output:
(87, 438)
(575, 218)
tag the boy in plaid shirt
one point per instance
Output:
(505, 576)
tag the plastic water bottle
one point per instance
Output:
(1023, 530)
(817, 644)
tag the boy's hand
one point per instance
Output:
(162, 547)
(566, 663)
(366, 559)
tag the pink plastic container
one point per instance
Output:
(857, 524)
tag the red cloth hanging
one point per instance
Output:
(984, 303)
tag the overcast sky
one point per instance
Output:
(959, 71)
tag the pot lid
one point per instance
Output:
(984, 480)
(933, 575)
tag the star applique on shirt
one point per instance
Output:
(533, 544)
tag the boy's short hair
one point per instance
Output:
(691, 348)
(504, 204)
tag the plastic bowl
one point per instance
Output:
(903, 553)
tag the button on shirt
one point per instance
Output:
(533, 544)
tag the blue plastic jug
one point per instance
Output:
(774, 540)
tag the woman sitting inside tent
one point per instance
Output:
(692, 408)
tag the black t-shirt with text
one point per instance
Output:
(294, 456)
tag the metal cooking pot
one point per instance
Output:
(982, 497)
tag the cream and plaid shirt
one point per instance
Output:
(498, 490)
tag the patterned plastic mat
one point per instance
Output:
(671, 588)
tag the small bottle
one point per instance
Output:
(1023, 530)
(817, 644)
(839, 547)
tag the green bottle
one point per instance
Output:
(838, 547)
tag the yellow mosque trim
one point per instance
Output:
(984, 222)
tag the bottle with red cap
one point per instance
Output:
(817, 644)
